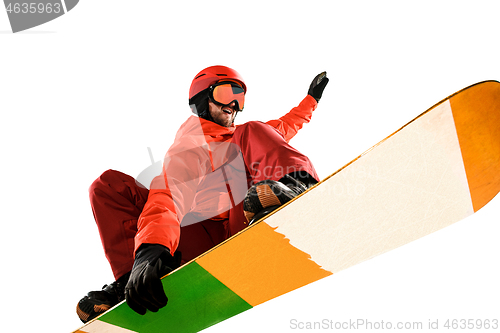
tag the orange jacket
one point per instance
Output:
(199, 149)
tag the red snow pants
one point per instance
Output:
(117, 200)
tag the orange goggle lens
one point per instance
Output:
(226, 93)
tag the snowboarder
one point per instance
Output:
(217, 178)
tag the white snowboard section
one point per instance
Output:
(408, 186)
(98, 326)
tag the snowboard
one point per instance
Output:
(439, 168)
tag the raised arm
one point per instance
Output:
(292, 122)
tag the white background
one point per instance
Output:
(94, 88)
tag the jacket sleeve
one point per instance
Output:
(158, 223)
(292, 122)
(171, 196)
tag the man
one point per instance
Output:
(216, 179)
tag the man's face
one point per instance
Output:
(222, 114)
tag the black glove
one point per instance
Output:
(318, 85)
(144, 289)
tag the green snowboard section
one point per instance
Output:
(197, 300)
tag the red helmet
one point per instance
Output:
(211, 75)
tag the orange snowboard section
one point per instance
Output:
(476, 112)
(247, 266)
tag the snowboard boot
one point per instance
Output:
(267, 195)
(98, 302)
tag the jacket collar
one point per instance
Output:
(212, 131)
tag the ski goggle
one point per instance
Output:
(224, 93)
